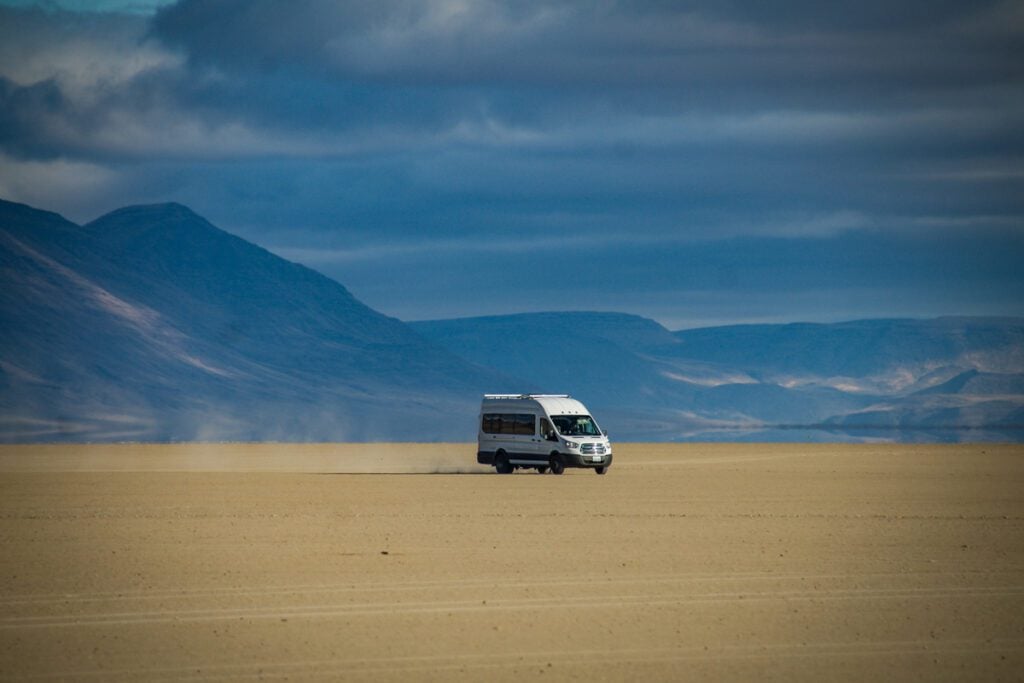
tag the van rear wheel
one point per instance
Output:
(557, 464)
(501, 463)
(542, 469)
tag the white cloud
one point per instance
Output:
(59, 185)
(448, 248)
(80, 53)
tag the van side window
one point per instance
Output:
(493, 422)
(509, 423)
(546, 430)
(526, 424)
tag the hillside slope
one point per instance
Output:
(150, 323)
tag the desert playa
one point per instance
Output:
(409, 562)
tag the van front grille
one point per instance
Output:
(592, 449)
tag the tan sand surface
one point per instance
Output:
(685, 562)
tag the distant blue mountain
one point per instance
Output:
(599, 355)
(860, 348)
(152, 324)
(649, 383)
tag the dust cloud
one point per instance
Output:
(321, 458)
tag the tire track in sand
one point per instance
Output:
(527, 659)
(397, 586)
(392, 608)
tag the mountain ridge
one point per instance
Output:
(767, 377)
(123, 322)
(150, 323)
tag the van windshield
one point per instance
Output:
(575, 425)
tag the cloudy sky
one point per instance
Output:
(694, 161)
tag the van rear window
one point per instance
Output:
(509, 423)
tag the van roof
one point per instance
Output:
(553, 404)
(497, 397)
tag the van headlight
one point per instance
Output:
(572, 444)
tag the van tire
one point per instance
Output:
(542, 469)
(600, 469)
(501, 463)
(557, 464)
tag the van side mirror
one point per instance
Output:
(551, 437)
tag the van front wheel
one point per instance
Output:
(557, 464)
(600, 469)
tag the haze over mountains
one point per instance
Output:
(152, 324)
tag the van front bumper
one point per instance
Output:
(577, 460)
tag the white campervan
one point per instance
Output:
(540, 431)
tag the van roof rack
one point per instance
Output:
(512, 396)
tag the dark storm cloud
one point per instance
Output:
(355, 135)
(585, 43)
(308, 75)
(78, 86)
(540, 64)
